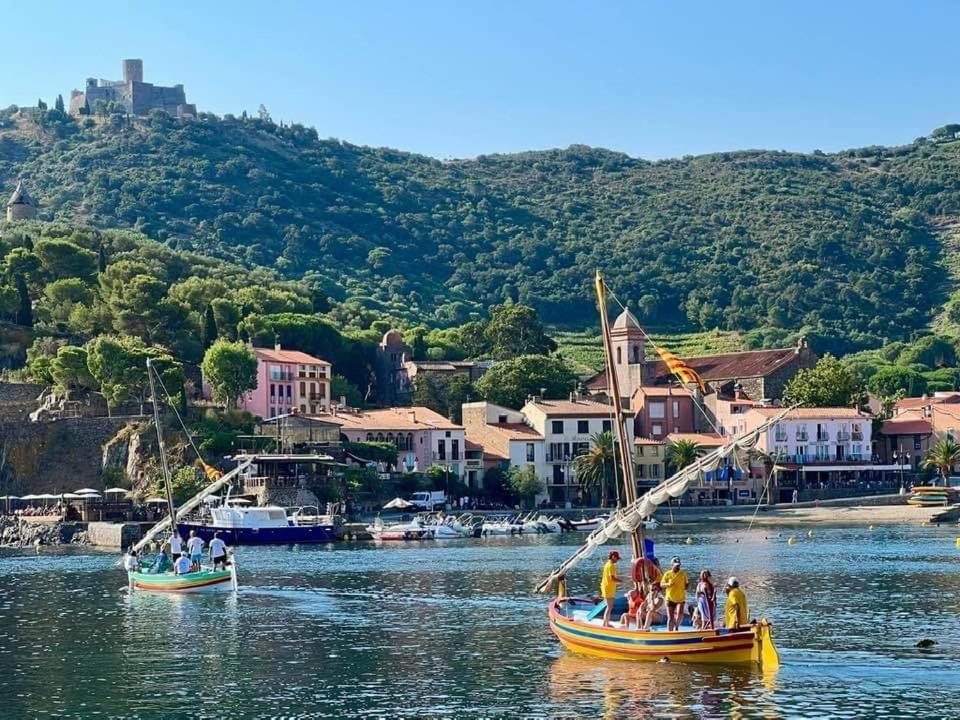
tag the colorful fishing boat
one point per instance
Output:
(204, 581)
(578, 622)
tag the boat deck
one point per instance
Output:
(583, 616)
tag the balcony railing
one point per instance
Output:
(781, 437)
(317, 396)
(802, 436)
(447, 456)
(857, 435)
(843, 436)
(473, 463)
(827, 459)
(823, 437)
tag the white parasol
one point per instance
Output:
(398, 503)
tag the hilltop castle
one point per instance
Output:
(137, 96)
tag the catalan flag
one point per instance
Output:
(678, 367)
(211, 472)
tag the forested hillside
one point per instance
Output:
(839, 246)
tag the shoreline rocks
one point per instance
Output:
(18, 533)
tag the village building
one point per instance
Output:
(660, 411)
(916, 425)
(504, 438)
(423, 437)
(397, 371)
(761, 374)
(649, 459)
(288, 381)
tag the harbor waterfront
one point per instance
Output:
(453, 629)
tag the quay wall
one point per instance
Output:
(113, 535)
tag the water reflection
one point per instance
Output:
(455, 631)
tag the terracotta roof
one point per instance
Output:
(662, 390)
(647, 441)
(702, 439)
(906, 427)
(392, 419)
(713, 368)
(833, 413)
(287, 356)
(919, 402)
(570, 408)
(495, 438)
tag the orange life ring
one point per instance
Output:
(650, 569)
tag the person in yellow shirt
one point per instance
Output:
(736, 611)
(674, 583)
(608, 585)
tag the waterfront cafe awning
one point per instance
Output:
(844, 468)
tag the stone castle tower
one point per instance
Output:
(21, 206)
(629, 346)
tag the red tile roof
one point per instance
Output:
(906, 427)
(572, 409)
(287, 356)
(495, 438)
(920, 402)
(714, 368)
(702, 439)
(806, 413)
(393, 419)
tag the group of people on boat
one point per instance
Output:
(657, 596)
(181, 557)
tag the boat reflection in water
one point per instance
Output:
(661, 689)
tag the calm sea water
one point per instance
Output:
(453, 630)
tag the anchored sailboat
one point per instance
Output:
(576, 621)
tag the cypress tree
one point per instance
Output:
(25, 311)
(59, 103)
(102, 259)
(210, 332)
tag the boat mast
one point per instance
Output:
(625, 443)
(167, 483)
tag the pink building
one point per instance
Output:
(423, 437)
(288, 381)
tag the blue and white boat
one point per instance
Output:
(268, 525)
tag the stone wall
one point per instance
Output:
(17, 400)
(55, 456)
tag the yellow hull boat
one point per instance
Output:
(750, 645)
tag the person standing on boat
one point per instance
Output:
(737, 614)
(182, 566)
(608, 585)
(674, 583)
(195, 550)
(707, 600)
(131, 562)
(176, 543)
(218, 552)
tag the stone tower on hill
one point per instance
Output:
(136, 96)
(21, 206)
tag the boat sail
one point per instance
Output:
(575, 621)
(206, 579)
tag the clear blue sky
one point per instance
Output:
(458, 78)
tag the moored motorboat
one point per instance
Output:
(414, 530)
(268, 525)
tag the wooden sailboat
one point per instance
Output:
(206, 579)
(576, 621)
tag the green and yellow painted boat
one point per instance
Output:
(204, 581)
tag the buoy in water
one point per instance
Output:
(871, 527)
(792, 541)
(958, 542)
(926, 644)
(689, 541)
(809, 533)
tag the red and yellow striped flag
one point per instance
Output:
(211, 472)
(678, 367)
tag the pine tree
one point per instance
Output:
(210, 332)
(41, 105)
(59, 103)
(25, 310)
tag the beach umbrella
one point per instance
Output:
(155, 500)
(48, 496)
(86, 491)
(10, 497)
(239, 501)
(29, 497)
(115, 491)
(71, 496)
(398, 504)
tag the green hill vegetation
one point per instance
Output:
(843, 247)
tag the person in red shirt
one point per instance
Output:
(635, 602)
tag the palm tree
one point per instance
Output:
(943, 456)
(768, 461)
(597, 466)
(682, 453)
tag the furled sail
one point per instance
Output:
(629, 518)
